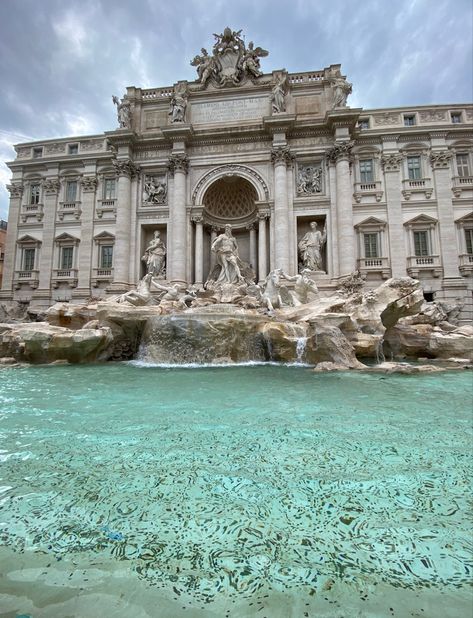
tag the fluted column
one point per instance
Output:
(51, 188)
(88, 188)
(252, 230)
(340, 153)
(440, 161)
(16, 191)
(199, 250)
(262, 248)
(125, 170)
(281, 157)
(178, 165)
(391, 164)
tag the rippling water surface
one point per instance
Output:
(135, 492)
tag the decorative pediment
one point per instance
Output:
(422, 220)
(373, 222)
(66, 238)
(466, 220)
(104, 236)
(28, 240)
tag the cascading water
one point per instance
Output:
(300, 349)
(380, 358)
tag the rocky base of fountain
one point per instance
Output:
(235, 324)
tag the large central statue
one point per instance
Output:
(226, 251)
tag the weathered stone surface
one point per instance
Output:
(43, 343)
(426, 340)
(404, 368)
(70, 316)
(329, 344)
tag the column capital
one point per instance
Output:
(51, 186)
(250, 226)
(15, 189)
(178, 162)
(88, 183)
(340, 151)
(440, 159)
(391, 162)
(263, 215)
(197, 219)
(125, 167)
(281, 154)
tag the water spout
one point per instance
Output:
(380, 358)
(300, 349)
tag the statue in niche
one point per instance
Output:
(309, 180)
(226, 251)
(310, 247)
(155, 191)
(205, 65)
(178, 103)
(250, 63)
(155, 255)
(123, 112)
(341, 89)
(278, 95)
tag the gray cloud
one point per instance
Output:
(62, 61)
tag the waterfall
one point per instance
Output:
(380, 358)
(300, 349)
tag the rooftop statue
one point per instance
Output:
(278, 94)
(123, 112)
(341, 89)
(231, 60)
(178, 103)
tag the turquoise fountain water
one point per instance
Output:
(243, 491)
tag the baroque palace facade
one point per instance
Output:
(390, 189)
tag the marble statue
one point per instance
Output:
(302, 286)
(275, 295)
(123, 112)
(178, 104)
(155, 255)
(250, 63)
(139, 297)
(155, 191)
(341, 89)
(205, 65)
(278, 95)
(226, 251)
(310, 247)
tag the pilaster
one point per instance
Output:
(16, 192)
(391, 163)
(51, 186)
(88, 189)
(178, 167)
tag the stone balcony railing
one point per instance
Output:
(417, 186)
(106, 206)
(417, 264)
(461, 183)
(64, 275)
(29, 211)
(69, 208)
(29, 277)
(101, 274)
(375, 265)
(466, 263)
(368, 189)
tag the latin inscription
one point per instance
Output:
(233, 109)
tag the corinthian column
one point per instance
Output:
(281, 157)
(262, 249)
(50, 191)
(199, 249)
(251, 228)
(340, 154)
(125, 170)
(178, 165)
(391, 163)
(88, 188)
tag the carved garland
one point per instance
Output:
(88, 183)
(51, 186)
(391, 162)
(230, 170)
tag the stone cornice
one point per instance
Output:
(179, 132)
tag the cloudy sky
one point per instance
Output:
(61, 60)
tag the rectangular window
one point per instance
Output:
(37, 152)
(28, 259)
(456, 117)
(66, 257)
(73, 149)
(71, 191)
(364, 124)
(463, 165)
(109, 189)
(421, 243)
(106, 256)
(413, 168)
(371, 245)
(35, 190)
(409, 120)
(469, 240)
(366, 170)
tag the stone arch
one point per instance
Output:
(230, 170)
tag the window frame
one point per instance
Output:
(37, 152)
(106, 264)
(409, 159)
(409, 120)
(69, 251)
(456, 117)
(106, 180)
(428, 243)
(34, 196)
(466, 165)
(73, 149)
(69, 184)
(363, 172)
(25, 259)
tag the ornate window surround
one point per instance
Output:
(30, 277)
(379, 264)
(466, 259)
(99, 274)
(367, 189)
(431, 262)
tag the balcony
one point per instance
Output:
(106, 206)
(29, 211)
(466, 264)
(378, 265)
(101, 275)
(26, 277)
(417, 187)
(64, 275)
(425, 263)
(461, 183)
(368, 189)
(69, 208)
